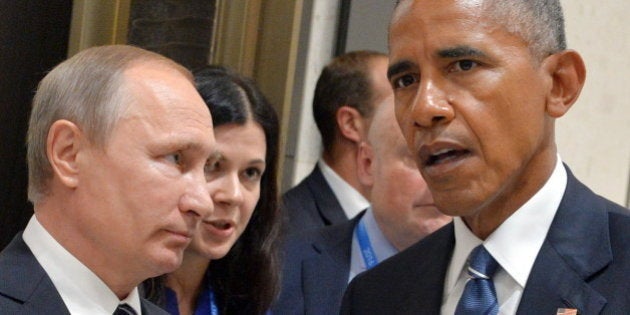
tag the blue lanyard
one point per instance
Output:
(369, 257)
(214, 310)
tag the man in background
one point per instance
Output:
(320, 263)
(478, 87)
(347, 91)
(118, 142)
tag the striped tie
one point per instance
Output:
(124, 309)
(479, 297)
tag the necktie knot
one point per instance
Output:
(479, 296)
(481, 264)
(124, 309)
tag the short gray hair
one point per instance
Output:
(86, 89)
(539, 22)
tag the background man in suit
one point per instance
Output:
(478, 86)
(347, 91)
(320, 263)
(118, 142)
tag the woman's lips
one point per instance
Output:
(221, 228)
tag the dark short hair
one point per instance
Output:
(344, 81)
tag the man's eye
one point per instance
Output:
(405, 81)
(175, 158)
(463, 65)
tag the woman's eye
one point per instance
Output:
(212, 166)
(405, 81)
(252, 173)
(463, 65)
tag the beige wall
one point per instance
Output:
(594, 137)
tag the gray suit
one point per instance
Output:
(316, 269)
(312, 204)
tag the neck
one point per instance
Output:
(513, 196)
(116, 275)
(344, 163)
(188, 281)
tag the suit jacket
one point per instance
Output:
(25, 288)
(316, 269)
(312, 204)
(584, 263)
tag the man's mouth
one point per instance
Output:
(444, 156)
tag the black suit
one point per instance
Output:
(312, 204)
(316, 269)
(25, 288)
(584, 263)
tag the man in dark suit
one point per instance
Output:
(319, 263)
(478, 86)
(118, 142)
(346, 94)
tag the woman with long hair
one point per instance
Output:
(231, 266)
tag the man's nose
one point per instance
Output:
(431, 105)
(196, 201)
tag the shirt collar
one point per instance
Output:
(382, 248)
(82, 291)
(351, 201)
(517, 241)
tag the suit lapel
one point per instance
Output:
(24, 280)
(326, 274)
(327, 204)
(427, 272)
(577, 246)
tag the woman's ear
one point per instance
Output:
(365, 161)
(62, 147)
(568, 74)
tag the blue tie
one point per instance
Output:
(479, 297)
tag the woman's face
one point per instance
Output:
(234, 185)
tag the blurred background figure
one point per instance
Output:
(348, 90)
(320, 263)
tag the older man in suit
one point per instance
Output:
(478, 87)
(118, 144)
(320, 263)
(348, 90)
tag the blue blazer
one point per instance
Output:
(584, 263)
(312, 204)
(25, 288)
(315, 270)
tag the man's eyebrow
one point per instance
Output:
(399, 67)
(460, 51)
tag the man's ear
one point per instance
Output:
(365, 160)
(567, 73)
(62, 147)
(351, 124)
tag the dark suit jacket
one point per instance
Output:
(584, 263)
(312, 204)
(316, 269)
(25, 288)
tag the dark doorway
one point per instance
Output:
(34, 38)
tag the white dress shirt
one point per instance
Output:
(82, 291)
(352, 202)
(514, 245)
(382, 248)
